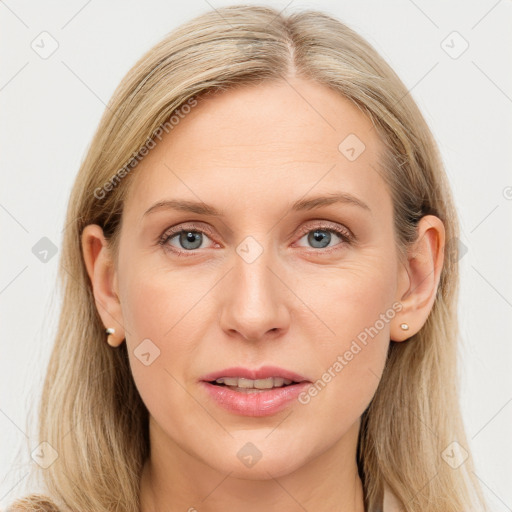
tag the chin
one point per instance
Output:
(248, 462)
(262, 470)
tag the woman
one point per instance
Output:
(262, 231)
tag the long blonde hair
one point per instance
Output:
(91, 412)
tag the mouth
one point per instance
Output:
(248, 392)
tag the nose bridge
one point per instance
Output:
(251, 271)
(253, 296)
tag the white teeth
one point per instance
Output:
(247, 383)
(240, 382)
(229, 381)
(278, 382)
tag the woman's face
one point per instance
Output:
(278, 278)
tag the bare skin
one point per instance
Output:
(251, 153)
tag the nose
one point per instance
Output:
(254, 299)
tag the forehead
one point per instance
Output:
(269, 142)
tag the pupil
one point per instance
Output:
(190, 237)
(317, 236)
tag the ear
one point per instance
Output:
(419, 278)
(103, 276)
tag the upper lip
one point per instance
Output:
(248, 373)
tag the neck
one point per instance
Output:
(174, 480)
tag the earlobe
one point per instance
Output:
(422, 273)
(103, 277)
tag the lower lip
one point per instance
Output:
(261, 403)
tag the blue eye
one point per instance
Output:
(188, 240)
(320, 238)
(189, 237)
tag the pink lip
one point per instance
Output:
(262, 373)
(261, 403)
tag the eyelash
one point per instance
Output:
(346, 236)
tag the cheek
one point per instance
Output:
(161, 309)
(349, 297)
(157, 300)
(354, 304)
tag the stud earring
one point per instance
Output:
(109, 331)
(404, 326)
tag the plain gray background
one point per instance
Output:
(51, 105)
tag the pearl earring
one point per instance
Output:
(404, 326)
(109, 331)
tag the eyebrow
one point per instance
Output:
(311, 203)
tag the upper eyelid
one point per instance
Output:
(186, 227)
(324, 224)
